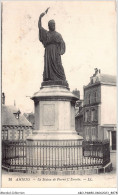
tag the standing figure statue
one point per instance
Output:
(54, 48)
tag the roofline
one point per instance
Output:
(19, 126)
(99, 83)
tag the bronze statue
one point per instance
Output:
(54, 48)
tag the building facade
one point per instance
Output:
(99, 109)
(14, 125)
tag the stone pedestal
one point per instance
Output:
(54, 143)
(54, 109)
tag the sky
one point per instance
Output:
(88, 29)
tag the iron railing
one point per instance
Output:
(97, 149)
(55, 154)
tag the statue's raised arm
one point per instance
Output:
(40, 17)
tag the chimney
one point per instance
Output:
(3, 98)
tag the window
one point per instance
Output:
(89, 99)
(87, 134)
(87, 116)
(93, 133)
(17, 114)
(95, 97)
(96, 115)
(5, 135)
(20, 134)
(92, 114)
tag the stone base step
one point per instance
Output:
(81, 171)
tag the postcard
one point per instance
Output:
(58, 94)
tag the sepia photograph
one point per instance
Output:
(58, 92)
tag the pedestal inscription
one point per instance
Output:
(48, 114)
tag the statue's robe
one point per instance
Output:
(54, 48)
